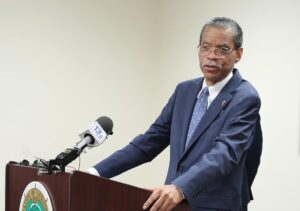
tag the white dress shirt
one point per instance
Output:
(215, 89)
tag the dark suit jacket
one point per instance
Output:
(218, 166)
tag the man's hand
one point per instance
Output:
(163, 198)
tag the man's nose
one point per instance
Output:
(212, 54)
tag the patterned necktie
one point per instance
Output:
(199, 110)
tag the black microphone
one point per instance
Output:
(94, 136)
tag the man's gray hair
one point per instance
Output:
(226, 23)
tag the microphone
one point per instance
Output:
(94, 136)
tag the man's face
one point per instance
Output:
(217, 54)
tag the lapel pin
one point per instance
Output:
(223, 103)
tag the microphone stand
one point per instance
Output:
(63, 159)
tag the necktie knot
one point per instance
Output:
(204, 93)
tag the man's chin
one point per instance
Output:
(210, 75)
(211, 79)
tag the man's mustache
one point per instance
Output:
(212, 64)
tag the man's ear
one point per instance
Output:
(239, 53)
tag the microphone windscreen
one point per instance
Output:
(106, 123)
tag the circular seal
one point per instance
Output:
(35, 198)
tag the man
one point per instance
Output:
(212, 126)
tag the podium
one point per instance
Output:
(77, 191)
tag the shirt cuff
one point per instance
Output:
(93, 171)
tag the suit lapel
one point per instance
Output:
(210, 115)
(214, 110)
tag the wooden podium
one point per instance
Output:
(77, 191)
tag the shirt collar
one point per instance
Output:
(216, 88)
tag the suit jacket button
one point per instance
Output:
(180, 169)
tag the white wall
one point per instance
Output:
(65, 63)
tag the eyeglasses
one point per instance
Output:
(221, 52)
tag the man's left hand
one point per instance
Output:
(163, 198)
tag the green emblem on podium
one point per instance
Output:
(35, 198)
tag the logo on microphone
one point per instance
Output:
(98, 133)
(98, 130)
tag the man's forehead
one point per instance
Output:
(218, 34)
